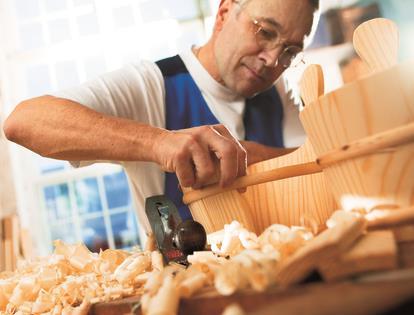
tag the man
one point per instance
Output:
(185, 113)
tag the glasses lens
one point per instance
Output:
(267, 39)
(291, 57)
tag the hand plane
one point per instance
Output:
(175, 238)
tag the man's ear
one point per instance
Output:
(222, 14)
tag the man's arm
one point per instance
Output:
(63, 129)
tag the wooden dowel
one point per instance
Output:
(380, 141)
(254, 179)
(388, 139)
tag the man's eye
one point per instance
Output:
(267, 34)
(293, 51)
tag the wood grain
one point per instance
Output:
(375, 251)
(327, 246)
(312, 84)
(367, 107)
(303, 200)
(377, 42)
(394, 218)
(361, 298)
(404, 233)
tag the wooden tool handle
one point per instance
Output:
(391, 138)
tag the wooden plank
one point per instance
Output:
(406, 254)
(15, 240)
(26, 244)
(393, 219)
(344, 299)
(404, 233)
(2, 253)
(317, 298)
(8, 244)
(328, 245)
(375, 251)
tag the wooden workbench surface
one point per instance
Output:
(358, 297)
(371, 294)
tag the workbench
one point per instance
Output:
(370, 294)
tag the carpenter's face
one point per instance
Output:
(252, 38)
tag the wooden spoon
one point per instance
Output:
(377, 42)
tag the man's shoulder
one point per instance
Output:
(171, 66)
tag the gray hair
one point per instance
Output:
(313, 3)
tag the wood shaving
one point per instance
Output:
(73, 278)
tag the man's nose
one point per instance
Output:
(270, 57)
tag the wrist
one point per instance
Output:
(157, 147)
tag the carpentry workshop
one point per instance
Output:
(206, 157)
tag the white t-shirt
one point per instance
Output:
(137, 92)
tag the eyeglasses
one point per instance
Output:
(269, 38)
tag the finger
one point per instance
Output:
(204, 166)
(226, 151)
(241, 151)
(184, 170)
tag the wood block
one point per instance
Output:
(374, 251)
(26, 244)
(406, 254)
(15, 239)
(2, 256)
(8, 244)
(328, 245)
(404, 233)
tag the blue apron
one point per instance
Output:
(186, 108)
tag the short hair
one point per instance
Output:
(313, 3)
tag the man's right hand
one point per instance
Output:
(201, 155)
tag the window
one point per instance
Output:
(54, 44)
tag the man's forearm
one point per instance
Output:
(62, 129)
(258, 152)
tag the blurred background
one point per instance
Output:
(48, 45)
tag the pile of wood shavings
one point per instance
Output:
(73, 278)
(239, 259)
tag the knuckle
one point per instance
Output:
(201, 129)
(192, 140)
(230, 150)
(180, 155)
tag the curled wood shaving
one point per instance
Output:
(73, 278)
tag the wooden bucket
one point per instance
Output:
(369, 106)
(363, 136)
(303, 200)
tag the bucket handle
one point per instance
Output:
(362, 147)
